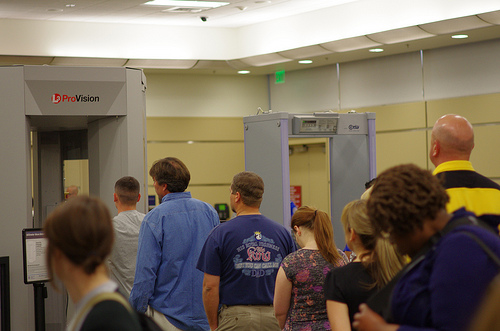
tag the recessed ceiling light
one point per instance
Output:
(460, 36)
(376, 50)
(70, 5)
(243, 72)
(305, 61)
(183, 3)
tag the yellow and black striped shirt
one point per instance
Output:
(471, 190)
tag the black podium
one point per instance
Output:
(40, 296)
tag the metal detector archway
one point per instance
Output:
(352, 157)
(42, 101)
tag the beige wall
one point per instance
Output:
(483, 111)
(403, 134)
(213, 151)
(217, 153)
(191, 95)
(211, 148)
(403, 131)
(209, 109)
(199, 119)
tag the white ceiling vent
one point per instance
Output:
(184, 9)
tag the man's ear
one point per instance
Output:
(115, 197)
(139, 197)
(435, 148)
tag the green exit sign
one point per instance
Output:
(279, 77)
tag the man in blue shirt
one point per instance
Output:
(240, 260)
(170, 240)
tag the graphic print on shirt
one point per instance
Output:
(255, 256)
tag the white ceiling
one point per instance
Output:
(236, 14)
(261, 36)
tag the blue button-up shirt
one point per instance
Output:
(170, 240)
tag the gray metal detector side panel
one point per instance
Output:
(15, 196)
(136, 134)
(117, 145)
(372, 144)
(266, 153)
(347, 180)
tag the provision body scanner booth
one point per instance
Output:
(52, 114)
(351, 153)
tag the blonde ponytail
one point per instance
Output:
(381, 260)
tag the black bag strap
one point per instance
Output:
(470, 220)
(97, 299)
(485, 247)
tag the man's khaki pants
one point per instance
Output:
(248, 318)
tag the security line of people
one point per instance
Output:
(174, 239)
(193, 274)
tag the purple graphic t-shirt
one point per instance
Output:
(246, 252)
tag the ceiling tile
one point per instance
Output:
(161, 64)
(400, 35)
(305, 52)
(264, 60)
(351, 44)
(455, 25)
(493, 17)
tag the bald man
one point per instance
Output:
(452, 142)
(72, 192)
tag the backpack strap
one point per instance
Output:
(97, 299)
(485, 247)
(470, 220)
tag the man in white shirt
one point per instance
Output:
(126, 225)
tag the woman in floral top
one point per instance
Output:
(299, 302)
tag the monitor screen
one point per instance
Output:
(34, 249)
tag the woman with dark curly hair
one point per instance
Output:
(80, 238)
(450, 269)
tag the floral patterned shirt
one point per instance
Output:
(307, 270)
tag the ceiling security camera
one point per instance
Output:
(203, 18)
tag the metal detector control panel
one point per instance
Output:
(315, 124)
(328, 123)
